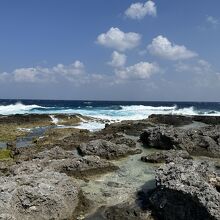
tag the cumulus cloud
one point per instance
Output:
(118, 59)
(140, 10)
(141, 71)
(162, 47)
(119, 40)
(37, 74)
(72, 72)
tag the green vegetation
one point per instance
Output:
(10, 132)
(5, 154)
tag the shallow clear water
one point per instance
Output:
(121, 185)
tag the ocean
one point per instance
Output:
(111, 110)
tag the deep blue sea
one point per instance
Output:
(111, 110)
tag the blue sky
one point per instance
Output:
(110, 50)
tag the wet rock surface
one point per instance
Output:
(122, 211)
(185, 190)
(163, 156)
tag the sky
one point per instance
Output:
(152, 50)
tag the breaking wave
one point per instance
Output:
(110, 112)
(18, 108)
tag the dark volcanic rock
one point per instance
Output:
(13, 149)
(125, 141)
(106, 149)
(196, 142)
(179, 120)
(75, 166)
(163, 156)
(39, 196)
(176, 120)
(186, 189)
(82, 166)
(158, 138)
(211, 120)
(55, 153)
(200, 142)
(21, 119)
(133, 128)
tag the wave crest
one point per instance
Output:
(112, 113)
(144, 107)
(17, 108)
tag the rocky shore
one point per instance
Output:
(163, 167)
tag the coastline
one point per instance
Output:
(111, 171)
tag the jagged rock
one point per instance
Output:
(185, 190)
(28, 167)
(201, 141)
(13, 149)
(82, 166)
(5, 167)
(158, 138)
(43, 195)
(106, 149)
(176, 120)
(55, 153)
(211, 120)
(163, 156)
(179, 120)
(133, 128)
(76, 166)
(26, 118)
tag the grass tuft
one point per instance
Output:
(5, 154)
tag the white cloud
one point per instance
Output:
(199, 67)
(37, 74)
(140, 10)
(142, 70)
(202, 73)
(212, 21)
(118, 59)
(119, 40)
(162, 47)
(72, 72)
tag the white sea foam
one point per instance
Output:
(132, 112)
(91, 125)
(54, 119)
(17, 108)
(147, 108)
